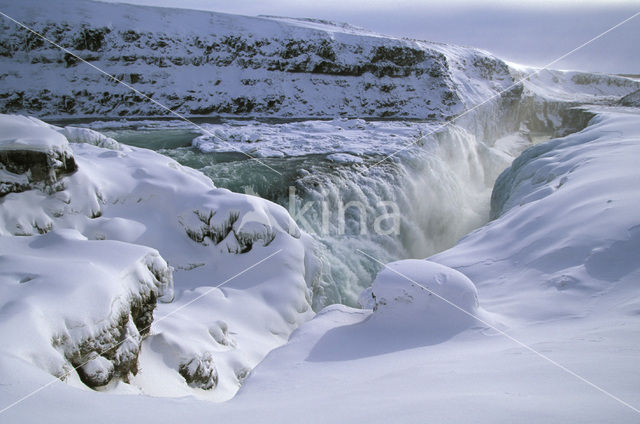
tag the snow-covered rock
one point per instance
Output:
(121, 200)
(425, 295)
(68, 302)
(32, 156)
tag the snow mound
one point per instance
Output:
(415, 303)
(110, 289)
(423, 292)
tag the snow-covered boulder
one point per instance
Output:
(412, 303)
(32, 155)
(425, 295)
(68, 303)
(200, 372)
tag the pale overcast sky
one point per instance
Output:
(528, 32)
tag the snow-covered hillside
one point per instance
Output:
(201, 63)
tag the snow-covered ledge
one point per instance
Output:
(32, 156)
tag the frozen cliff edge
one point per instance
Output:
(87, 241)
(109, 291)
(203, 63)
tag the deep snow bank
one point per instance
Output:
(565, 235)
(121, 199)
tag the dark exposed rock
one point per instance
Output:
(70, 60)
(90, 38)
(401, 56)
(200, 372)
(274, 55)
(41, 170)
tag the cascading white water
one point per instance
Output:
(410, 206)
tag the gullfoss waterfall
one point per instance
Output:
(414, 205)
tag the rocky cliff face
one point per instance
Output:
(201, 63)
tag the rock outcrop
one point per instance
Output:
(31, 158)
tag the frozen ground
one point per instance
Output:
(557, 270)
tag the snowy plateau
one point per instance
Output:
(154, 270)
